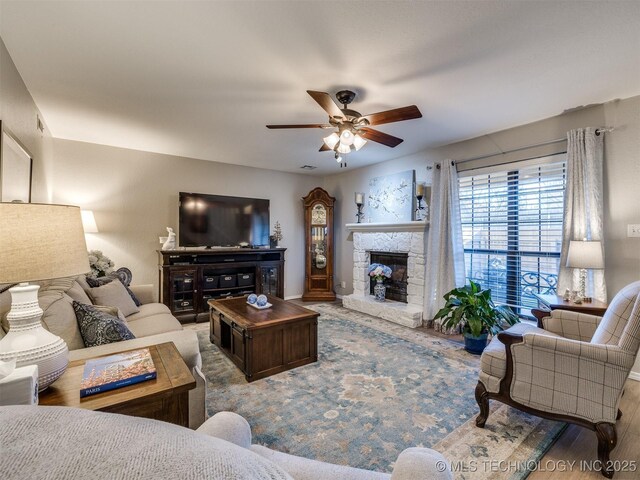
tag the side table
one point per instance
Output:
(165, 398)
(547, 303)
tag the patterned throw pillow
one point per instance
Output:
(98, 282)
(99, 328)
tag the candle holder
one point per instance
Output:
(421, 211)
(359, 203)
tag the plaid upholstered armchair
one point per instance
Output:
(573, 370)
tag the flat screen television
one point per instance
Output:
(221, 221)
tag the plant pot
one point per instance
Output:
(379, 291)
(475, 345)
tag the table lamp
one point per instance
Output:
(583, 255)
(37, 242)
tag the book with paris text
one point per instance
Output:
(116, 371)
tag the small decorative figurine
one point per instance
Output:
(170, 244)
(567, 295)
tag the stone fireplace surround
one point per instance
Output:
(407, 237)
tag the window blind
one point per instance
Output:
(512, 229)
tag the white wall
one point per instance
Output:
(134, 196)
(18, 113)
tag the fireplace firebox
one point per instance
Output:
(397, 284)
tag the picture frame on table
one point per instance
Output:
(16, 168)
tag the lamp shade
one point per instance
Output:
(89, 222)
(39, 241)
(585, 254)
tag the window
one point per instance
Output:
(512, 228)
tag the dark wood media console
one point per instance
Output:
(190, 278)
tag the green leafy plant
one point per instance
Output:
(473, 307)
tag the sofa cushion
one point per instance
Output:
(148, 310)
(77, 293)
(98, 282)
(186, 341)
(73, 443)
(494, 358)
(154, 324)
(615, 319)
(60, 319)
(98, 327)
(115, 295)
(307, 469)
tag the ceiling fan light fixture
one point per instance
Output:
(332, 140)
(346, 137)
(358, 142)
(342, 148)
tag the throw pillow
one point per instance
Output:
(99, 328)
(114, 294)
(115, 311)
(78, 294)
(98, 282)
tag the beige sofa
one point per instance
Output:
(127, 447)
(153, 324)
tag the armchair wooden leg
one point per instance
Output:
(619, 416)
(482, 397)
(607, 440)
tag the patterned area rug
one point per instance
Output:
(377, 389)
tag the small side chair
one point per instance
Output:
(574, 370)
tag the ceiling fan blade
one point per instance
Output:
(326, 102)
(379, 137)
(307, 125)
(395, 115)
(324, 148)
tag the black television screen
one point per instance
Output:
(220, 221)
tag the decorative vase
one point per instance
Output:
(28, 342)
(475, 345)
(379, 291)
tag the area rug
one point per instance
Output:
(377, 389)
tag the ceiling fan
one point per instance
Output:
(352, 127)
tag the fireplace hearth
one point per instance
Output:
(397, 284)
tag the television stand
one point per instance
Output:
(190, 278)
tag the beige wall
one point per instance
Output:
(18, 113)
(134, 196)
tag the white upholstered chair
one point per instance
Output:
(573, 370)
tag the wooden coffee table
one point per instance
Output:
(165, 398)
(264, 342)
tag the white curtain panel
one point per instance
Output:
(583, 207)
(445, 252)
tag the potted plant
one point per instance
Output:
(379, 272)
(473, 308)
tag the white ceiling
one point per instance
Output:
(201, 79)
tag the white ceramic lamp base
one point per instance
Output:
(28, 341)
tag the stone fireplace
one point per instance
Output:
(405, 240)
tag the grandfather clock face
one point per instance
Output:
(318, 215)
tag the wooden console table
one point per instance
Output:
(547, 303)
(264, 342)
(165, 398)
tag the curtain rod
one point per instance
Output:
(550, 142)
(599, 131)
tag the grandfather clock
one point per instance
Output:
(318, 221)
